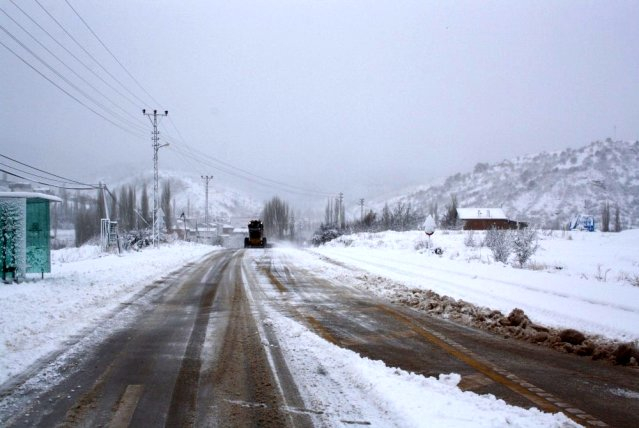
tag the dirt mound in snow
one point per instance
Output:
(514, 325)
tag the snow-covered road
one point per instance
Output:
(346, 387)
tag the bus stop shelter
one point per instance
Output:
(25, 233)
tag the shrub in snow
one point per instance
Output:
(524, 244)
(325, 234)
(422, 244)
(136, 240)
(469, 240)
(499, 242)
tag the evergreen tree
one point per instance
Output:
(451, 217)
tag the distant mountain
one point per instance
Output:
(188, 191)
(546, 189)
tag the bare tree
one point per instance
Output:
(617, 219)
(605, 217)
(275, 217)
(144, 204)
(165, 204)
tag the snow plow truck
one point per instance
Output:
(256, 237)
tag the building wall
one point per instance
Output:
(485, 224)
(38, 236)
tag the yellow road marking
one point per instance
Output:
(545, 401)
(126, 406)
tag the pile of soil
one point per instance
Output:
(514, 325)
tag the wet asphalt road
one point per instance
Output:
(193, 355)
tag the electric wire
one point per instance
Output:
(67, 92)
(67, 81)
(46, 184)
(210, 162)
(186, 151)
(61, 61)
(124, 96)
(87, 52)
(65, 179)
(32, 174)
(232, 170)
(112, 54)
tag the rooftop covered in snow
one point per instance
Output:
(30, 195)
(481, 213)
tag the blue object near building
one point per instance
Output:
(583, 222)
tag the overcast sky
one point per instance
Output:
(351, 96)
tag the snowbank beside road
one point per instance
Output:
(38, 316)
(370, 393)
(583, 282)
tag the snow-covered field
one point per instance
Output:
(581, 280)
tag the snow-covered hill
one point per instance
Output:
(547, 189)
(188, 191)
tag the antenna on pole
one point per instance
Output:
(155, 137)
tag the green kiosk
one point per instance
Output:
(25, 232)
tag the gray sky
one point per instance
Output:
(352, 96)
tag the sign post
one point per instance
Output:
(429, 228)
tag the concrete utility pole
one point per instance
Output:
(153, 117)
(206, 179)
(361, 205)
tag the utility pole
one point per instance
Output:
(340, 213)
(206, 179)
(361, 205)
(155, 137)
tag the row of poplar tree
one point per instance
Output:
(132, 213)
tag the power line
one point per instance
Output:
(241, 173)
(61, 61)
(220, 165)
(31, 173)
(67, 81)
(65, 179)
(126, 97)
(111, 53)
(87, 52)
(67, 92)
(187, 151)
(45, 184)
